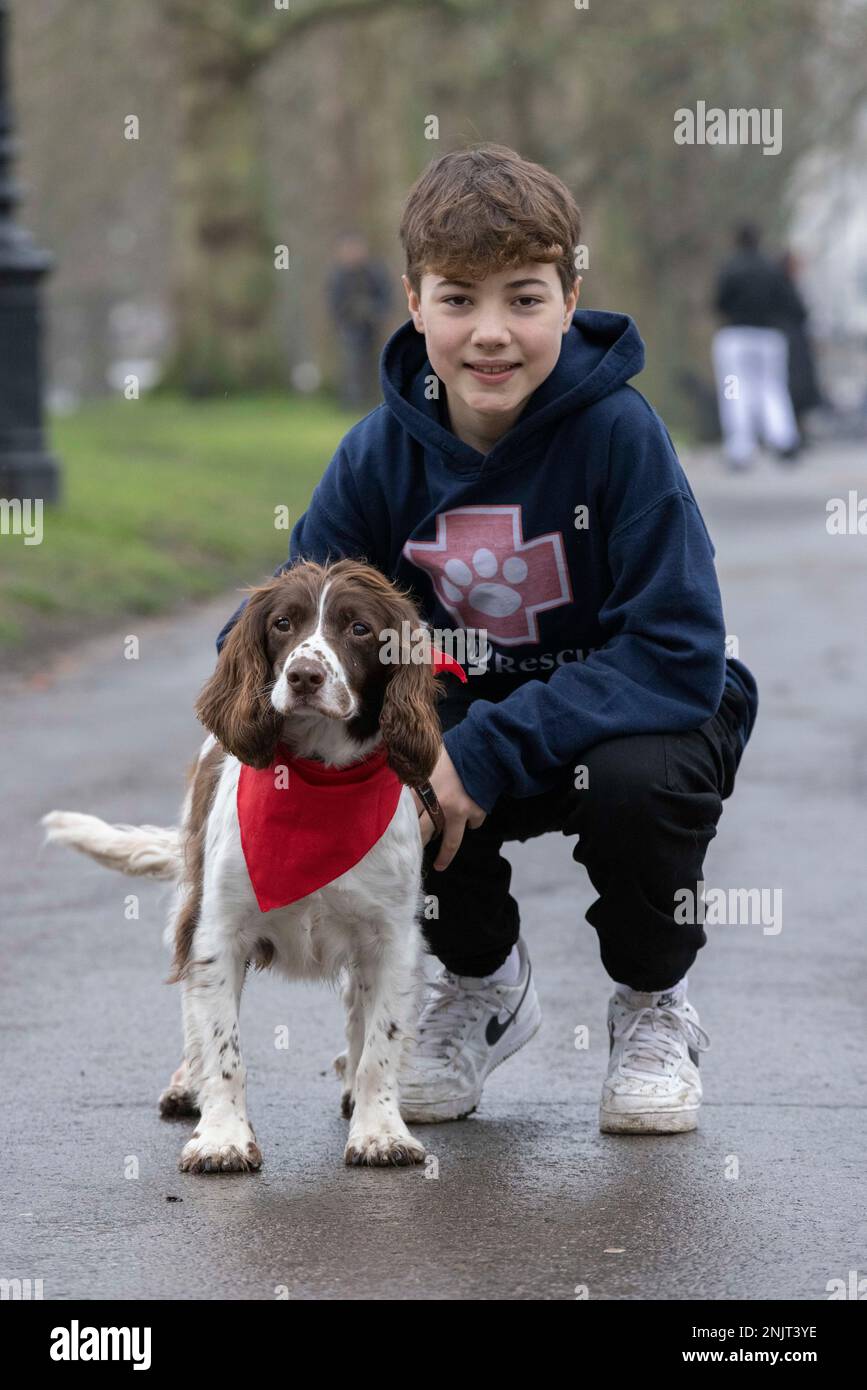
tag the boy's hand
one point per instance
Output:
(459, 810)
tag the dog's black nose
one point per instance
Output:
(305, 675)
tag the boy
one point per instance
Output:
(518, 484)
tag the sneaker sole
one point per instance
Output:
(441, 1111)
(648, 1121)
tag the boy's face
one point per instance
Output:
(492, 342)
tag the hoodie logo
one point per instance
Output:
(487, 575)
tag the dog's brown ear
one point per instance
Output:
(409, 721)
(234, 704)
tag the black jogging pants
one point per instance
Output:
(644, 821)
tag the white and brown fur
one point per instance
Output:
(301, 665)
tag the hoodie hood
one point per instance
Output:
(599, 354)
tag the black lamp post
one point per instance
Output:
(27, 469)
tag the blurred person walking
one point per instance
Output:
(804, 387)
(359, 298)
(750, 354)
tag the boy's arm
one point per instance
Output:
(662, 665)
(333, 527)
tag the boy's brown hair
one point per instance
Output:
(480, 210)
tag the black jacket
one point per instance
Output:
(754, 292)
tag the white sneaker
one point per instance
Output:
(653, 1085)
(467, 1028)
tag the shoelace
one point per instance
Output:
(641, 1028)
(439, 1026)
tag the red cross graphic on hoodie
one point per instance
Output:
(488, 576)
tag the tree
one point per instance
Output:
(223, 255)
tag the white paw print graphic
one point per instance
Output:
(482, 584)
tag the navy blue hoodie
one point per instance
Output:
(576, 544)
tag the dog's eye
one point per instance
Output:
(282, 624)
(360, 629)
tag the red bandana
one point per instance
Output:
(304, 824)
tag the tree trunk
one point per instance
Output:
(223, 256)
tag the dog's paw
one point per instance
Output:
(383, 1150)
(177, 1101)
(223, 1149)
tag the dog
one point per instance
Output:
(299, 692)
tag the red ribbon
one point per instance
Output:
(443, 662)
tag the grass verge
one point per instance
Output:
(165, 501)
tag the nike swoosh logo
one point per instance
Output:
(495, 1028)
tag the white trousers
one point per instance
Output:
(752, 378)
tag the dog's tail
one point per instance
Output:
(148, 851)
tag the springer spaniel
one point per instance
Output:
(299, 674)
